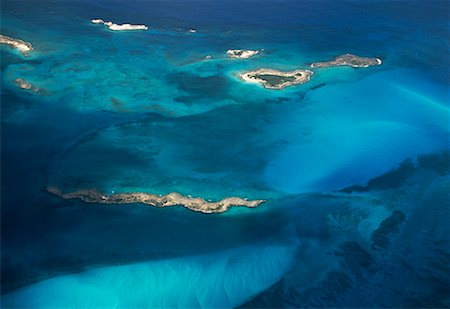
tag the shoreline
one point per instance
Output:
(22, 46)
(25, 85)
(116, 27)
(348, 60)
(241, 53)
(277, 80)
(171, 199)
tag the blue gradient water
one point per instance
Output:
(230, 280)
(354, 164)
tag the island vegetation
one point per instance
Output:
(274, 79)
(348, 60)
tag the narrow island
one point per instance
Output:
(171, 199)
(241, 53)
(23, 84)
(274, 79)
(23, 47)
(116, 27)
(348, 60)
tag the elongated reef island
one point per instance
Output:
(241, 53)
(348, 60)
(274, 79)
(117, 27)
(171, 199)
(21, 46)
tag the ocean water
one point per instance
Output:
(354, 164)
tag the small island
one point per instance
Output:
(274, 79)
(241, 53)
(21, 46)
(116, 27)
(348, 60)
(23, 84)
(171, 199)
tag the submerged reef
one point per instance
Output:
(22, 46)
(348, 60)
(241, 53)
(171, 199)
(117, 27)
(274, 79)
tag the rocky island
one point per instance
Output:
(116, 27)
(171, 199)
(274, 79)
(241, 53)
(21, 46)
(348, 60)
(23, 84)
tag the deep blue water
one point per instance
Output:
(355, 164)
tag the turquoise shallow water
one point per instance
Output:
(354, 164)
(331, 144)
(360, 132)
(168, 283)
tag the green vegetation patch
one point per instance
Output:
(275, 80)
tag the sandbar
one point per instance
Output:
(21, 46)
(241, 53)
(171, 199)
(274, 79)
(348, 60)
(117, 27)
